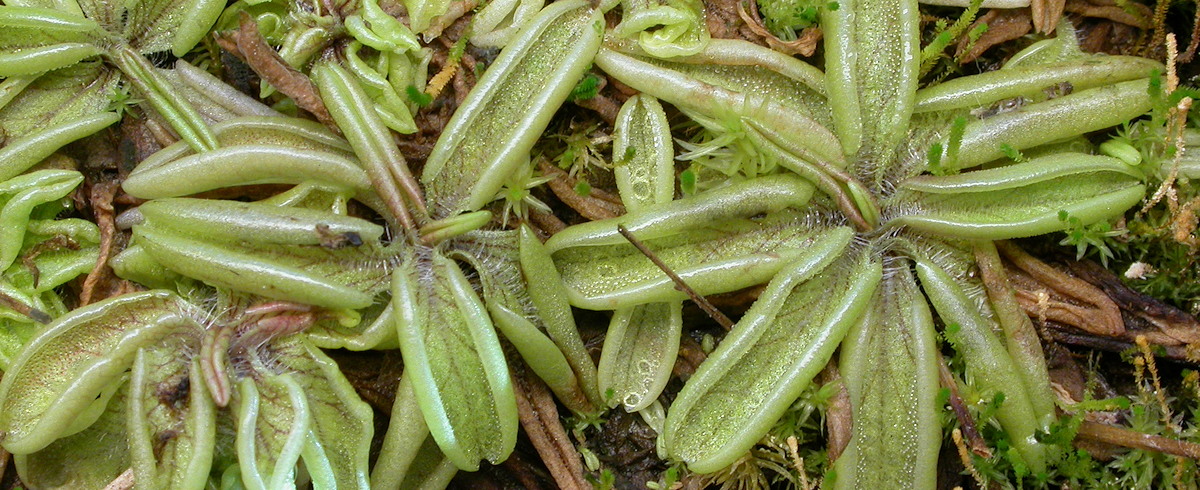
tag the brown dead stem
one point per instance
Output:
(1161, 323)
(124, 481)
(1147, 360)
(839, 419)
(1113, 12)
(680, 285)
(1190, 53)
(1136, 440)
(1003, 25)
(547, 223)
(539, 418)
(606, 107)
(24, 309)
(1046, 14)
(54, 244)
(1047, 293)
(969, 429)
(965, 456)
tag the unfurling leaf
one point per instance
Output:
(664, 28)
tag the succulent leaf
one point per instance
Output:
(889, 365)
(494, 128)
(458, 369)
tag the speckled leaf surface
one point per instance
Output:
(340, 432)
(889, 365)
(59, 97)
(63, 369)
(171, 418)
(771, 355)
(873, 57)
(494, 128)
(1022, 199)
(77, 461)
(273, 420)
(453, 354)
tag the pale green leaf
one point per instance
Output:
(65, 366)
(639, 353)
(988, 364)
(771, 355)
(1019, 200)
(644, 153)
(340, 439)
(346, 277)
(503, 116)
(873, 60)
(58, 99)
(729, 85)
(889, 364)
(717, 242)
(664, 28)
(453, 354)
(89, 459)
(1055, 119)
(1031, 81)
(273, 422)
(171, 418)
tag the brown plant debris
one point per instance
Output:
(250, 46)
(1047, 293)
(101, 197)
(1003, 25)
(839, 421)
(1046, 14)
(680, 285)
(805, 45)
(970, 431)
(1121, 436)
(1160, 323)
(597, 205)
(539, 417)
(1107, 9)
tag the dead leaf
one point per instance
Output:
(1162, 324)
(249, 45)
(1113, 12)
(597, 205)
(1046, 14)
(101, 197)
(1003, 25)
(839, 421)
(539, 418)
(805, 45)
(1047, 293)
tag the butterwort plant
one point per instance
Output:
(245, 302)
(885, 200)
(892, 199)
